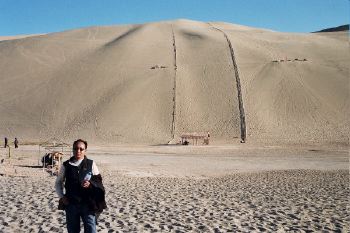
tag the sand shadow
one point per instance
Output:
(35, 166)
(170, 145)
(315, 150)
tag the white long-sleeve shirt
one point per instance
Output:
(59, 184)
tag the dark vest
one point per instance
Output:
(74, 177)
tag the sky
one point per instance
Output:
(44, 16)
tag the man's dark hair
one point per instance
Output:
(80, 140)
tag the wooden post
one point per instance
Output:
(39, 156)
(52, 162)
(59, 162)
(9, 151)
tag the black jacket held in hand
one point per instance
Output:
(94, 196)
(96, 201)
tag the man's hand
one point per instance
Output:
(85, 184)
(64, 200)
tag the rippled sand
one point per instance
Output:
(298, 200)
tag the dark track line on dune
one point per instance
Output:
(174, 88)
(238, 84)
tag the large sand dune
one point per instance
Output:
(151, 83)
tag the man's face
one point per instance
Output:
(79, 150)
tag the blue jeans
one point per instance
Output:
(73, 214)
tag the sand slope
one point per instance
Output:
(149, 83)
(293, 99)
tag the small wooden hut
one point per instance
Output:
(185, 138)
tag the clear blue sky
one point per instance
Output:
(43, 16)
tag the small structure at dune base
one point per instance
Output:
(288, 60)
(185, 138)
(54, 151)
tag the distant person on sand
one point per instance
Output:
(6, 142)
(84, 195)
(16, 143)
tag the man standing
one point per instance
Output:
(16, 143)
(84, 195)
(6, 142)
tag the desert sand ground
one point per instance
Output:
(227, 188)
(151, 83)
